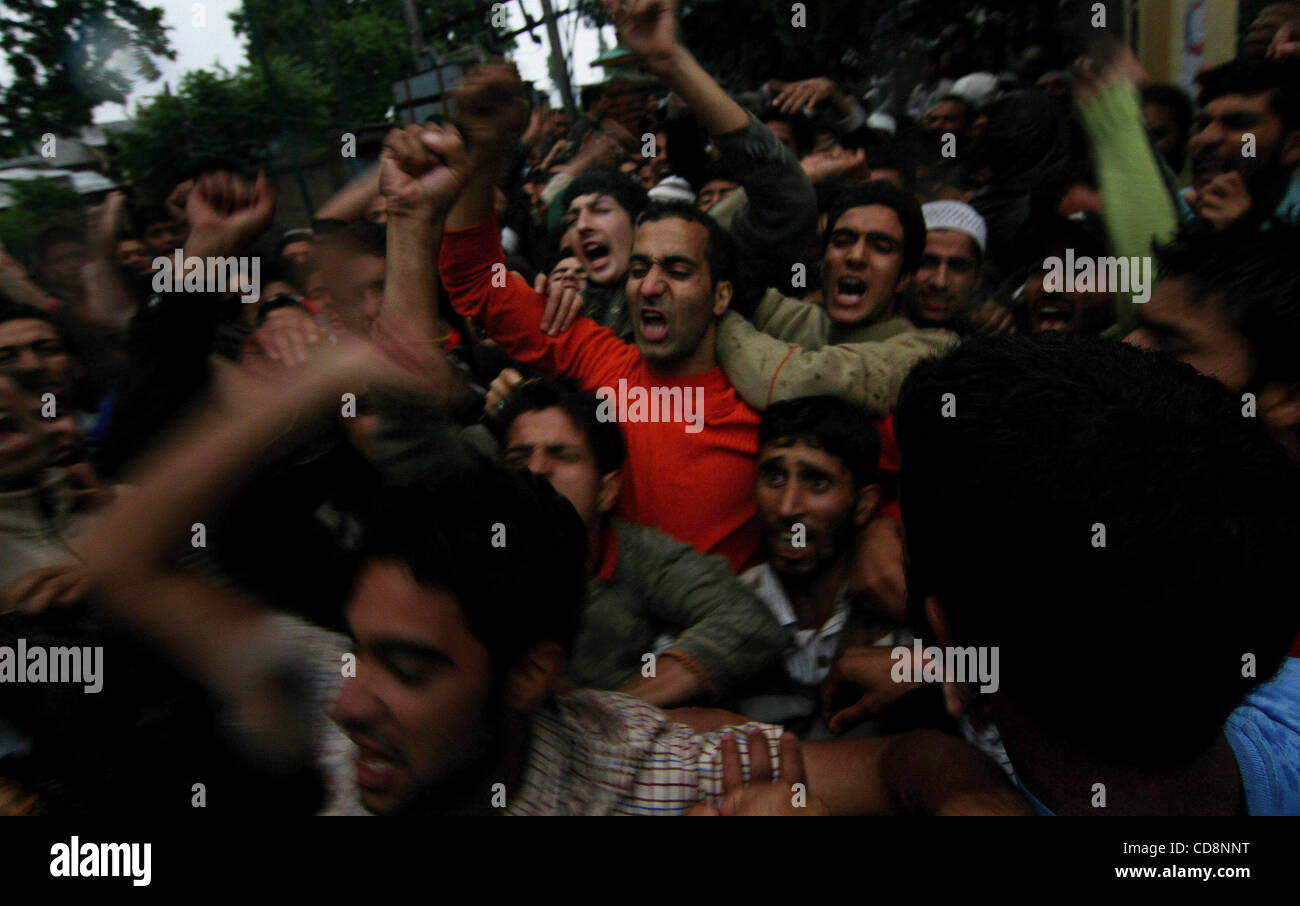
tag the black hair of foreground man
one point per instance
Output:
(1131, 653)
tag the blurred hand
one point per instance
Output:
(1223, 202)
(828, 166)
(51, 586)
(226, 213)
(287, 335)
(421, 169)
(102, 225)
(500, 388)
(1088, 76)
(792, 97)
(876, 578)
(990, 318)
(563, 305)
(648, 28)
(867, 668)
(491, 110)
(175, 203)
(1283, 45)
(763, 795)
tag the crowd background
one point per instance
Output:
(844, 241)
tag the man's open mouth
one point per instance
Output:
(596, 253)
(1054, 314)
(654, 325)
(850, 291)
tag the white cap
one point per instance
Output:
(959, 216)
(978, 87)
(673, 188)
(882, 122)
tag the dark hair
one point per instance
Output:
(52, 236)
(629, 193)
(1173, 98)
(968, 106)
(564, 252)
(13, 311)
(509, 548)
(895, 154)
(1254, 276)
(1023, 447)
(604, 437)
(1247, 76)
(146, 215)
(827, 423)
(360, 237)
(883, 192)
(721, 251)
(800, 129)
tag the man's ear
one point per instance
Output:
(938, 621)
(722, 297)
(1291, 148)
(531, 680)
(1279, 406)
(607, 493)
(868, 497)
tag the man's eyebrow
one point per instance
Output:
(814, 471)
(395, 647)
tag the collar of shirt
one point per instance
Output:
(772, 592)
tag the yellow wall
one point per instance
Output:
(1160, 35)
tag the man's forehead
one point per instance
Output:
(950, 243)
(671, 237)
(1260, 102)
(389, 602)
(592, 199)
(25, 330)
(546, 427)
(795, 449)
(870, 218)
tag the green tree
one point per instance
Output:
(69, 56)
(223, 118)
(747, 45)
(36, 205)
(360, 47)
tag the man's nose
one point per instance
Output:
(539, 463)
(858, 252)
(791, 500)
(357, 705)
(940, 279)
(653, 284)
(1142, 339)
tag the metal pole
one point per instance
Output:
(559, 71)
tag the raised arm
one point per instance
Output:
(765, 370)
(780, 210)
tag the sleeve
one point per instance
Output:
(779, 216)
(1139, 206)
(682, 768)
(728, 634)
(792, 320)
(481, 288)
(765, 370)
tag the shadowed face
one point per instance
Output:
(863, 262)
(417, 707)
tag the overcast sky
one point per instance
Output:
(215, 43)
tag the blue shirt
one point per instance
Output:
(1264, 732)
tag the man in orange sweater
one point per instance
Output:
(691, 441)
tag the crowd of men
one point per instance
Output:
(931, 450)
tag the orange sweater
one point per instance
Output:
(697, 487)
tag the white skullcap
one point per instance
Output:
(978, 87)
(959, 216)
(673, 188)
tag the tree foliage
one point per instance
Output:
(37, 204)
(69, 56)
(358, 48)
(216, 117)
(747, 44)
